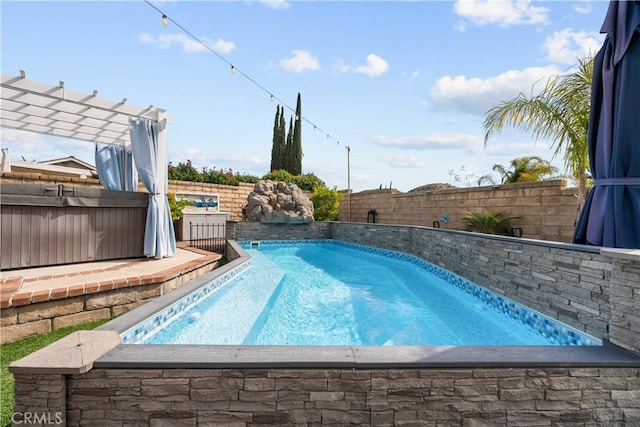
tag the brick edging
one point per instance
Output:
(10, 297)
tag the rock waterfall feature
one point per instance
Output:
(276, 202)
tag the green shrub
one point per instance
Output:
(176, 206)
(326, 203)
(183, 172)
(488, 223)
(186, 172)
(305, 182)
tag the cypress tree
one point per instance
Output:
(275, 146)
(282, 141)
(286, 150)
(296, 141)
(289, 158)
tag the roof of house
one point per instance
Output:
(70, 161)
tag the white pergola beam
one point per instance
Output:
(55, 110)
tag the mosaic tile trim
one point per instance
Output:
(143, 331)
(556, 331)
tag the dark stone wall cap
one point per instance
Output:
(136, 356)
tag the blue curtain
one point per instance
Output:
(116, 169)
(611, 214)
(150, 154)
(110, 166)
(131, 181)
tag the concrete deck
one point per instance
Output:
(33, 285)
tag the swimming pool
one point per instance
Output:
(336, 293)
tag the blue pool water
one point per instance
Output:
(333, 293)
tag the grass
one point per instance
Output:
(19, 349)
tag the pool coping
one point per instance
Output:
(137, 356)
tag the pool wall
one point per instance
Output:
(593, 289)
(91, 379)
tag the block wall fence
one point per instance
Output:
(545, 210)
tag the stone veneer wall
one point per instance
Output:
(378, 397)
(545, 210)
(575, 284)
(254, 230)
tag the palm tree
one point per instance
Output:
(560, 113)
(525, 169)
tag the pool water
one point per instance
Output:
(332, 293)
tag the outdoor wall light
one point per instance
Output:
(516, 231)
(164, 20)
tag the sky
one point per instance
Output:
(394, 93)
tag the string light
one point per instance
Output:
(233, 69)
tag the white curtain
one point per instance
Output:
(115, 168)
(150, 155)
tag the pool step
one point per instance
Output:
(424, 333)
(244, 300)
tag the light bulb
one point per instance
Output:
(164, 20)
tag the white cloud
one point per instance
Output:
(374, 67)
(341, 67)
(503, 13)
(300, 62)
(165, 41)
(567, 45)
(514, 149)
(8, 135)
(38, 147)
(412, 75)
(460, 27)
(434, 141)
(583, 7)
(403, 161)
(475, 95)
(276, 4)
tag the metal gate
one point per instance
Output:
(208, 237)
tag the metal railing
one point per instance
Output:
(208, 237)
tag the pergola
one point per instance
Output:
(55, 110)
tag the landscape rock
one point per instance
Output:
(276, 202)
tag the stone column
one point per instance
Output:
(40, 378)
